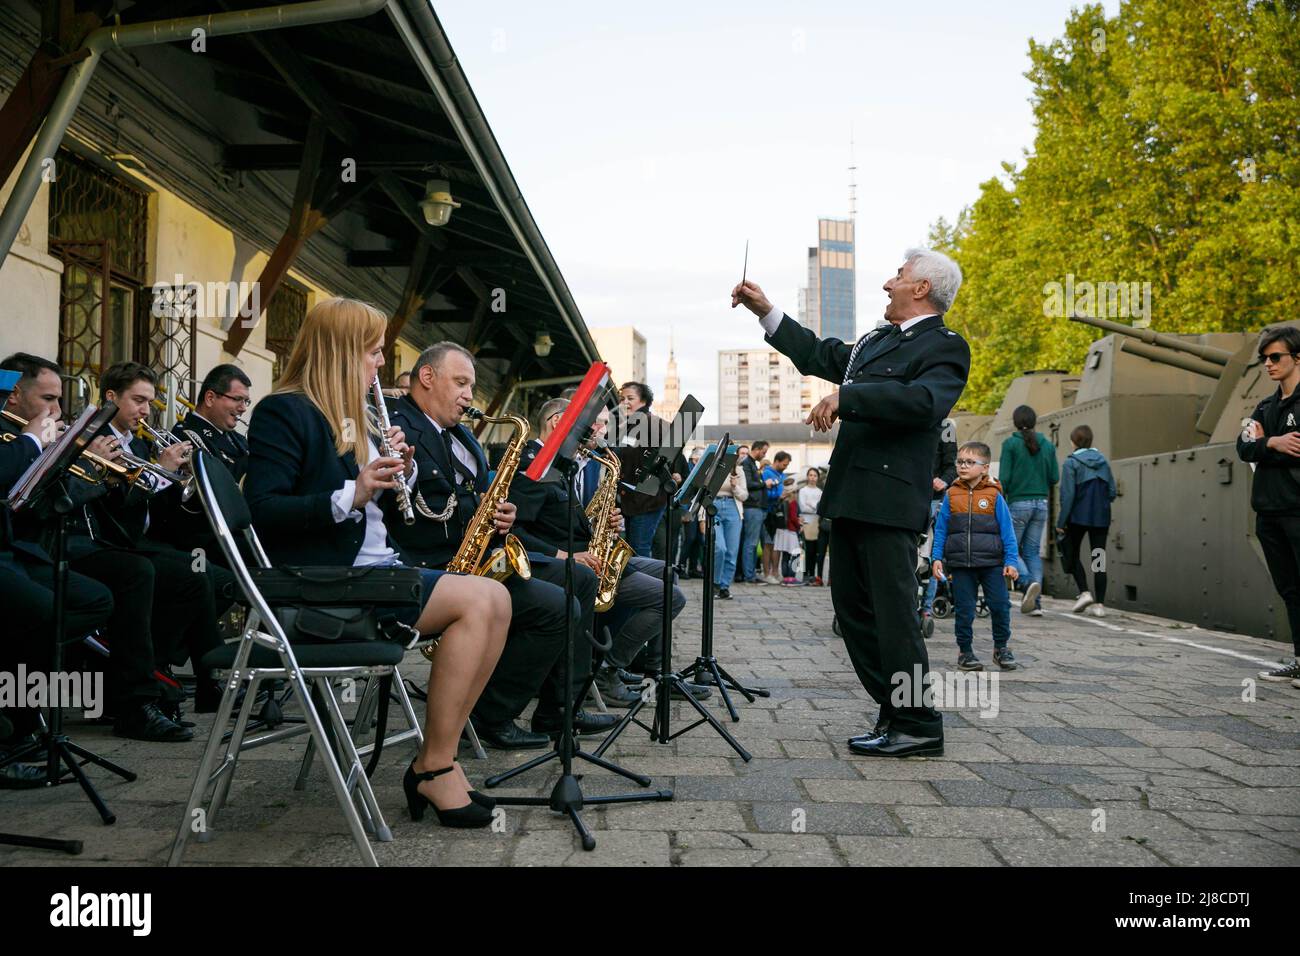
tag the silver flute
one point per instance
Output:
(386, 449)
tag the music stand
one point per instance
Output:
(701, 491)
(44, 485)
(658, 467)
(561, 451)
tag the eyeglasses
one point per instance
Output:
(969, 462)
(1273, 357)
(242, 400)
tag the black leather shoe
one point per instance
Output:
(881, 728)
(898, 744)
(171, 709)
(635, 680)
(147, 722)
(510, 736)
(584, 724)
(21, 776)
(695, 690)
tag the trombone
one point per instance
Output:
(114, 469)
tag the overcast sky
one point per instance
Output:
(652, 140)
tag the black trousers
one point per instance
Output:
(1074, 535)
(530, 664)
(27, 586)
(813, 557)
(873, 589)
(165, 610)
(1279, 538)
(692, 554)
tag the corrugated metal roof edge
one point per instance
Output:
(421, 26)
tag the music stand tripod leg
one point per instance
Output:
(566, 796)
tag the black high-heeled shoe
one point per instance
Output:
(471, 816)
(482, 799)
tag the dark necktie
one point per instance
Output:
(465, 475)
(869, 337)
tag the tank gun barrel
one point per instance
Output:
(1207, 353)
(1189, 363)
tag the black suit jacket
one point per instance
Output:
(542, 522)
(900, 390)
(429, 543)
(15, 458)
(293, 469)
(945, 466)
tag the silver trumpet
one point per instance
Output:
(163, 439)
(386, 450)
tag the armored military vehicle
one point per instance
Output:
(1166, 410)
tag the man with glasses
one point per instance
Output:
(1271, 443)
(223, 397)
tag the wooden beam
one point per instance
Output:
(304, 221)
(399, 257)
(283, 156)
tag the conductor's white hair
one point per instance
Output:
(943, 273)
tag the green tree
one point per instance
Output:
(1166, 151)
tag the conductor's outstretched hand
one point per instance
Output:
(751, 297)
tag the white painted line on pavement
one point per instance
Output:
(1161, 637)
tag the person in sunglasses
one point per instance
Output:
(1270, 441)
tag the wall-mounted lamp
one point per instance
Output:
(542, 344)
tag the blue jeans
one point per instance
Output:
(1029, 518)
(641, 531)
(726, 542)
(933, 586)
(749, 540)
(965, 584)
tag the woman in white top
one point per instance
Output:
(810, 496)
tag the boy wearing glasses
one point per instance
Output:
(1270, 441)
(973, 539)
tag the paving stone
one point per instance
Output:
(1039, 852)
(983, 822)
(915, 851)
(823, 818)
(872, 791)
(970, 793)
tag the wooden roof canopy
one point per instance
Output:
(291, 108)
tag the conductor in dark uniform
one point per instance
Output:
(897, 384)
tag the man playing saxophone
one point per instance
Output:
(452, 474)
(636, 617)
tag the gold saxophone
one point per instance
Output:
(512, 558)
(609, 549)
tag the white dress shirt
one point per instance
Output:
(462, 453)
(773, 319)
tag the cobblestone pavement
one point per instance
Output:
(1126, 741)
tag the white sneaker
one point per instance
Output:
(1030, 600)
(772, 579)
(1084, 600)
(1036, 612)
(1097, 610)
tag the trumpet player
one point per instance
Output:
(176, 617)
(453, 473)
(223, 396)
(26, 571)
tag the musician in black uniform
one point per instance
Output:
(317, 478)
(26, 571)
(896, 386)
(223, 396)
(453, 473)
(174, 600)
(542, 524)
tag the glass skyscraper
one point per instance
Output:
(837, 313)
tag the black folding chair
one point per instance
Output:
(263, 653)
